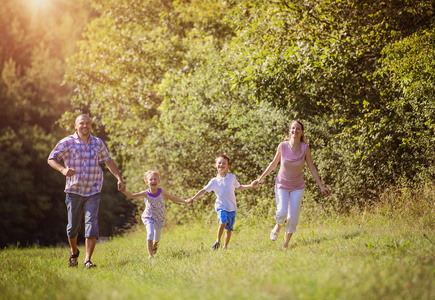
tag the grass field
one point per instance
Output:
(368, 256)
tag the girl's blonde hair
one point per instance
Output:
(147, 174)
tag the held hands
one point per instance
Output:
(189, 200)
(325, 191)
(255, 183)
(121, 186)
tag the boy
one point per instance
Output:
(223, 185)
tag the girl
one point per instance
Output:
(289, 184)
(153, 216)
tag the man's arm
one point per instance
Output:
(68, 172)
(115, 171)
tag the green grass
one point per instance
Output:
(371, 256)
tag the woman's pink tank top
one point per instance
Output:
(290, 175)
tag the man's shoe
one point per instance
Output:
(90, 265)
(71, 263)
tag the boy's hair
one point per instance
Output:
(224, 157)
(149, 173)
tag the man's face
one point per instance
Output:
(83, 125)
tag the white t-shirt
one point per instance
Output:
(224, 188)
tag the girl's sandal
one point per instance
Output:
(72, 256)
(89, 264)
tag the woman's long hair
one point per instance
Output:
(287, 138)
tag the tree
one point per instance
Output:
(164, 77)
(33, 46)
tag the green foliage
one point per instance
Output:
(202, 118)
(28, 212)
(174, 83)
(126, 53)
(406, 82)
(34, 41)
(319, 60)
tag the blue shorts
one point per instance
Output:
(227, 217)
(76, 206)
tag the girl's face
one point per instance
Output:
(296, 131)
(153, 181)
(222, 166)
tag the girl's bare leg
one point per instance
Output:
(150, 248)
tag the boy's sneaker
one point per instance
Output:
(216, 245)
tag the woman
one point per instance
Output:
(290, 184)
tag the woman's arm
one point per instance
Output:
(269, 168)
(173, 198)
(313, 171)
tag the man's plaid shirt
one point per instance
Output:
(85, 160)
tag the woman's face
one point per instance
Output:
(296, 130)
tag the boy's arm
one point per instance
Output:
(244, 187)
(199, 194)
(134, 196)
(173, 198)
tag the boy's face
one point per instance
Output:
(153, 181)
(222, 165)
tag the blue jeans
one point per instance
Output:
(76, 206)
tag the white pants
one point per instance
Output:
(154, 232)
(288, 208)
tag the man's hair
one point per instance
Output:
(82, 115)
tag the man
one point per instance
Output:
(82, 154)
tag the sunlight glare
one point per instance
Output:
(39, 3)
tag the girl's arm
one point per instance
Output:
(269, 168)
(313, 171)
(134, 196)
(173, 198)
